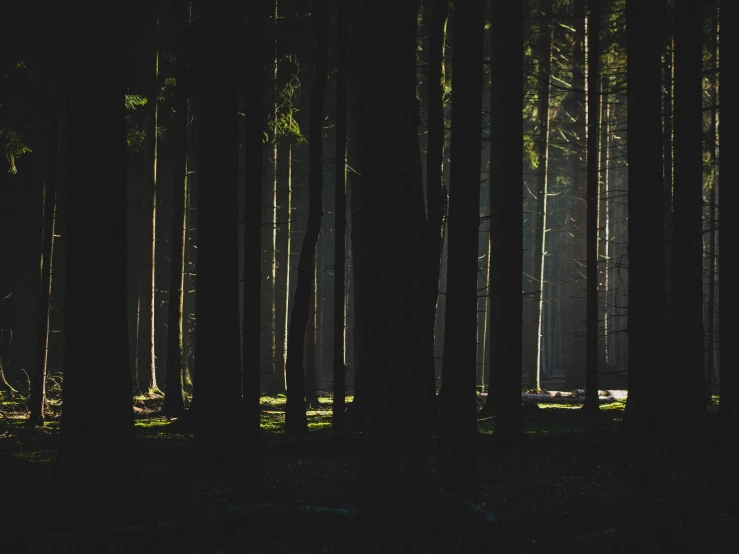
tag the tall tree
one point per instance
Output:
(96, 459)
(506, 213)
(339, 414)
(646, 316)
(591, 349)
(52, 100)
(457, 405)
(687, 271)
(173, 401)
(217, 391)
(255, 47)
(729, 234)
(533, 360)
(295, 421)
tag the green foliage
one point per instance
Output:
(134, 101)
(13, 146)
(286, 126)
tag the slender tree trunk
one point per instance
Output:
(282, 252)
(591, 357)
(295, 419)
(37, 397)
(542, 186)
(311, 394)
(506, 213)
(668, 182)
(173, 401)
(338, 419)
(688, 370)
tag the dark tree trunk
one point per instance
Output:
(173, 400)
(729, 235)
(95, 463)
(311, 334)
(338, 419)
(457, 406)
(37, 396)
(217, 391)
(687, 373)
(295, 420)
(256, 49)
(506, 213)
(646, 316)
(387, 233)
(592, 404)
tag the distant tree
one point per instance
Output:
(729, 234)
(646, 316)
(533, 360)
(295, 421)
(688, 374)
(217, 387)
(457, 404)
(173, 400)
(338, 419)
(506, 213)
(52, 109)
(593, 176)
(96, 459)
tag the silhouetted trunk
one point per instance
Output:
(542, 184)
(295, 420)
(282, 252)
(173, 400)
(457, 406)
(256, 49)
(311, 392)
(591, 353)
(436, 11)
(646, 316)
(687, 373)
(667, 178)
(37, 396)
(506, 217)
(96, 460)
(217, 391)
(338, 418)
(729, 235)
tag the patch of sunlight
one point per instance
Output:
(561, 406)
(152, 422)
(318, 425)
(613, 406)
(35, 456)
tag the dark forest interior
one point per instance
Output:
(369, 276)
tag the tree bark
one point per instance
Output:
(506, 225)
(295, 419)
(457, 406)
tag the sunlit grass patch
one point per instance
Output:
(152, 422)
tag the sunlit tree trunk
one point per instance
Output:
(594, 108)
(542, 187)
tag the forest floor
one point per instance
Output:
(568, 487)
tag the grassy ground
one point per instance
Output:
(568, 487)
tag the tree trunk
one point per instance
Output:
(457, 407)
(687, 373)
(173, 401)
(506, 212)
(338, 418)
(295, 419)
(591, 356)
(542, 186)
(37, 396)
(311, 392)
(217, 391)
(646, 316)
(96, 460)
